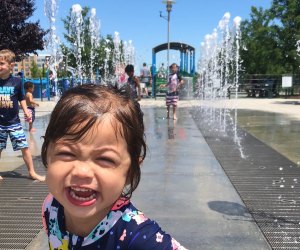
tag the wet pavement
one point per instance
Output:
(266, 180)
(183, 186)
(279, 131)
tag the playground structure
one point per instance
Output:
(187, 64)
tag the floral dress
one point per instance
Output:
(124, 227)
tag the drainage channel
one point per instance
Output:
(20, 207)
(266, 181)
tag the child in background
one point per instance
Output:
(133, 83)
(10, 125)
(145, 79)
(93, 148)
(175, 82)
(31, 104)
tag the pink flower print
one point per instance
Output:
(123, 235)
(140, 218)
(176, 245)
(159, 237)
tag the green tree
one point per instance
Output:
(269, 39)
(286, 15)
(102, 62)
(16, 33)
(260, 53)
(35, 71)
(71, 37)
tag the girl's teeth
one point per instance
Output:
(92, 196)
(80, 189)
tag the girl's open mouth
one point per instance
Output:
(81, 196)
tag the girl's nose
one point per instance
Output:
(82, 170)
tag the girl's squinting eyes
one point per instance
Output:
(65, 155)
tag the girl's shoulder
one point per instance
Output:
(135, 78)
(140, 232)
(124, 227)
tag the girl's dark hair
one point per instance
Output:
(129, 68)
(87, 104)
(28, 85)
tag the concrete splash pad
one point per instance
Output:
(184, 187)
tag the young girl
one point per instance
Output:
(175, 82)
(93, 148)
(31, 104)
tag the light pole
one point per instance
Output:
(168, 4)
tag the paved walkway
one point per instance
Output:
(183, 186)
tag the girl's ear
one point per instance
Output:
(141, 161)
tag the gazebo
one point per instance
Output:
(187, 58)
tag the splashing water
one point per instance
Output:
(52, 41)
(75, 31)
(94, 29)
(219, 67)
(298, 47)
(129, 52)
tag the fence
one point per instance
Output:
(259, 85)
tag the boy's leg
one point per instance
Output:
(29, 164)
(142, 89)
(19, 142)
(3, 140)
(0, 157)
(146, 90)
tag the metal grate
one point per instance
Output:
(266, 181)
(20, 207)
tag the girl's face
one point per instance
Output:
(131, 73)
(174, 68)
(31, 89)
(88, 176)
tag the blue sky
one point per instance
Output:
(139, 21)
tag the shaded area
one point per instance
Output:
(228, 208)
(266, 180)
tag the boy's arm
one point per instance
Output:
(24, 107)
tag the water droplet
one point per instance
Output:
(280, 169)
(281, 186)
(292, 186)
